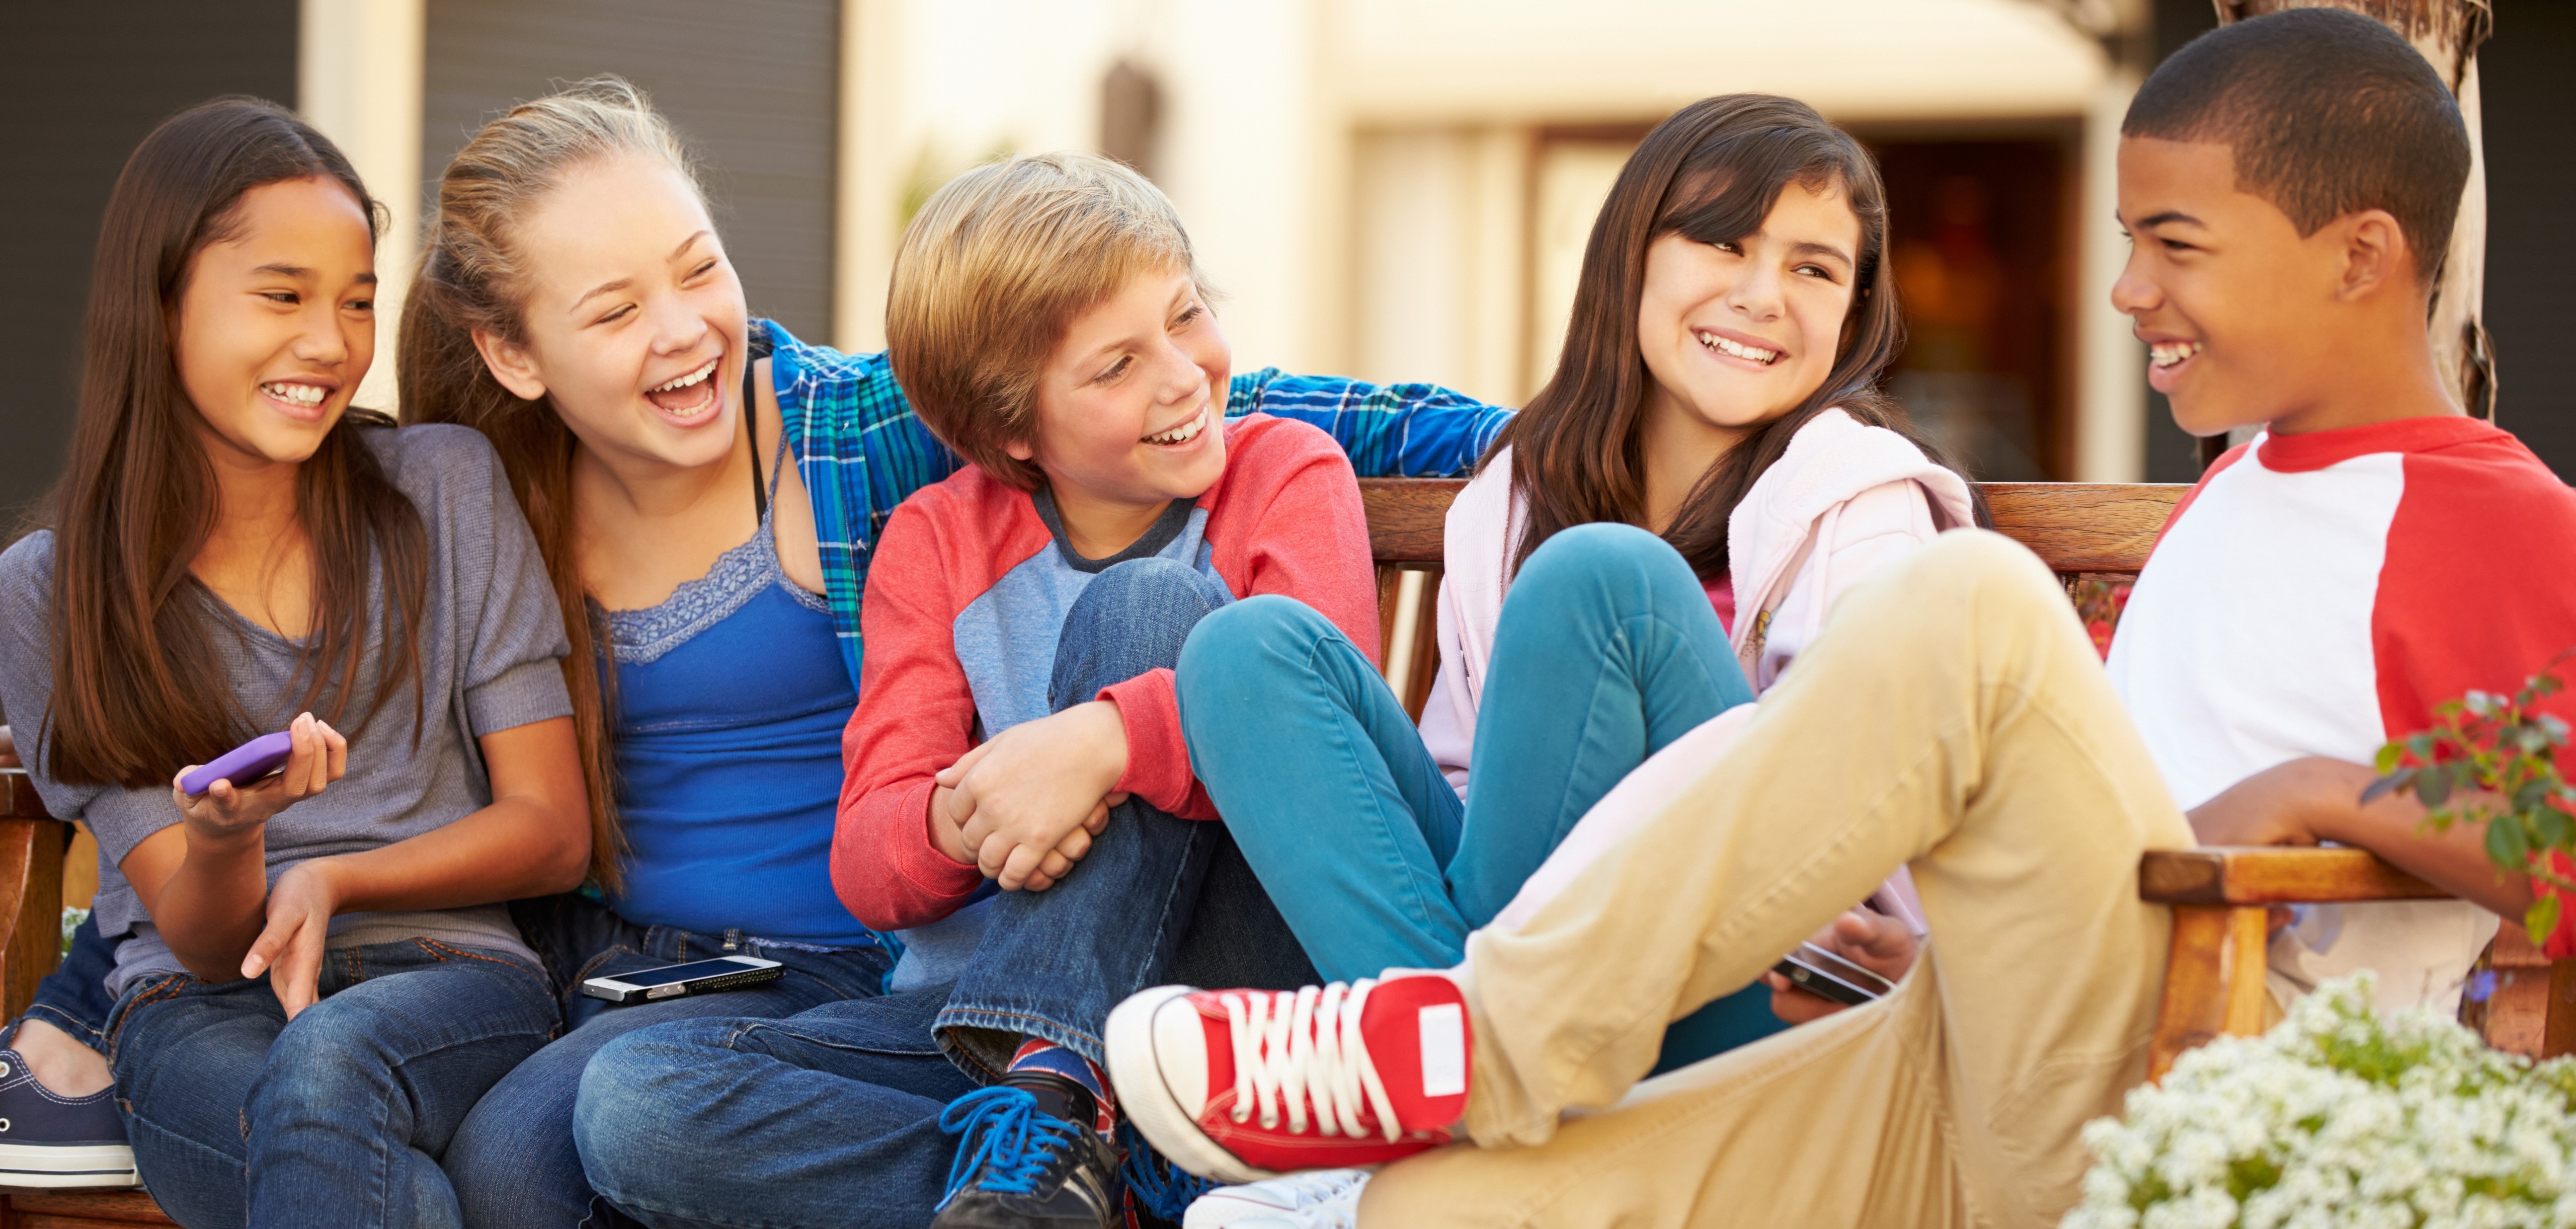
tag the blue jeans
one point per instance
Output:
(74, 996)
(1051, 964)
(239, 1117)
(832, 1117)
(1606, 650)
(513, 1162)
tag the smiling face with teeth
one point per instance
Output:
(1736, 334)
(633, 325)
(1131, 410)
(2247, 322)
(277, 323)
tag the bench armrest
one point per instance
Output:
(31, 891)
(2273, 875)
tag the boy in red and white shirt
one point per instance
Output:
(2316, 596)
(2290, 184)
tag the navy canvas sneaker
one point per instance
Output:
(1159, 1193)
(50, 1140)
(1019, 1167)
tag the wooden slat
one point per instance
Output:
(1405, 516)
(2194, 1007)
(2248, 935)
(2074, 526)
(2271, 875)
(2084, 527)
(1426, 646)
(31, 890)
(18, 795)
(31, 907)
(1390, 590)
(47, 1207)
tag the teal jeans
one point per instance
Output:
(1605, 652)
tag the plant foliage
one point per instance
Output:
(2493, 760)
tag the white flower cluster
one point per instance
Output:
(2339, 1117)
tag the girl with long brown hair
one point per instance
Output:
(234, 549)
(1648, 546)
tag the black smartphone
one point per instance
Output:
(1828, 976)
(673, 981)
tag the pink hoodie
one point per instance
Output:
(1841, 500)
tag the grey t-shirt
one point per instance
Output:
(491, 644)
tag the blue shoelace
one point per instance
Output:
(1006, 1139)
(1160, 1187)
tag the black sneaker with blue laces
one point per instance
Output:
(57, 1141)
(1159, 1193)
(1020, 1166)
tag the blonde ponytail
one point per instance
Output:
(473, 278)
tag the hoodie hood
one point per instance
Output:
(1792, 507)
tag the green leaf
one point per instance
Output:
(2541, 920)
(2556, 831)
(2390, 784)
(2386, 761)
(2420, 746)
(2433, 786)
(2506, 847)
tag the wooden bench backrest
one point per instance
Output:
(2077, 528)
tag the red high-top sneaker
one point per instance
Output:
(1240, 1085)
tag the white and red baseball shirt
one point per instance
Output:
(2321, 594)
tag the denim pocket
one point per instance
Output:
(143, 994)
(444, 952)
(597, 964)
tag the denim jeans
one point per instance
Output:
(74, 996)
(240, 1117)
(513, 1162)
(1606, 650)
(832, 1117)
(1051, 964)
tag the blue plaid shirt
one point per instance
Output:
(861, 450)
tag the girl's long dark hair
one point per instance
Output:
(139, 689)
(1711, 173)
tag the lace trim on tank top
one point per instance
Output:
(642, 637)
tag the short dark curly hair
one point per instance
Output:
(2328, 112)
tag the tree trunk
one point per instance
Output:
(2448, 32)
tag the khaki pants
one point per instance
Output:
(1953, 716)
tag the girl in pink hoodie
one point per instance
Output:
(1648, 546)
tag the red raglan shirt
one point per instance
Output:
(2321, 594)
(967, 597)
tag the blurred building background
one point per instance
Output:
(1397, 189)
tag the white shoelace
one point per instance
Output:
(1298, 1047)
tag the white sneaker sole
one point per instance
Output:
(54, 1166)
(1137, 1074)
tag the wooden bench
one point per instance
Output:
(2213, 985)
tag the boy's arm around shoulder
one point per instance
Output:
(1386, 430)
(915, 716)
(1291, 524)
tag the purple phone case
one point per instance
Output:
(241, 765)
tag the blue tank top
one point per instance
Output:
(731, 697)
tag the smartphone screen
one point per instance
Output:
(1826, 962)
(671, 973)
